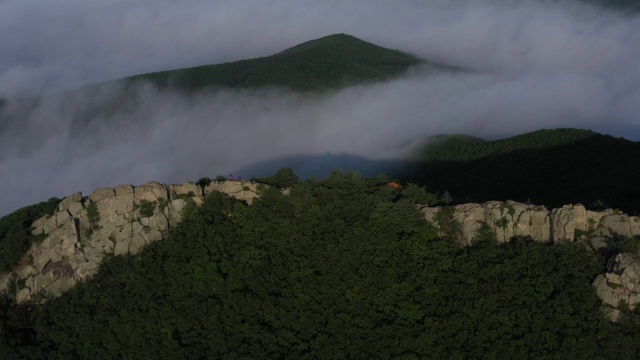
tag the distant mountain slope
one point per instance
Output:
(330, 61)
(336, 268)
(623, 5)
(326, 63)
(466, 148)
(550, 167)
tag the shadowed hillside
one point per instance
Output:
(320, 166)
(631, 6)
(331, 61)
(550, 167)
(338, 268)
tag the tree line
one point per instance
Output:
(344, 267)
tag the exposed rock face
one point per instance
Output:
(569, 223)
(621, 284)
(509, 219)
(124, 219)
(120, 220)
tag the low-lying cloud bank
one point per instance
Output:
(537, 64)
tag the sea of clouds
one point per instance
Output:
(534, 64)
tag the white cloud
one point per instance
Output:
(537, 64)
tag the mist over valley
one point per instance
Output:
(527, 65)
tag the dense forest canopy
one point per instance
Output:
(15, 231)
(548, 167)
(328, 62)
(345, 267)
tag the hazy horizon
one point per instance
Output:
(536, 64)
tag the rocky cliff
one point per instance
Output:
(618, 287)
(124, 219)
(110, 221)
(568, 223)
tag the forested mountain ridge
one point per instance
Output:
(325, 269)
(553, 167)
(69, 244)
(328, 62)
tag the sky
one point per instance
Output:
(535, 64)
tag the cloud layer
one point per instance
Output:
(537, 64)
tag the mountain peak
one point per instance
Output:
(328, 42)
(328, 62)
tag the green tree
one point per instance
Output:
(446, 198)
(203, 183)
(415, 194)
(15, 231)
(336, 269)
(285, 177)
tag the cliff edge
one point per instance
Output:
(124, 219)
(110, 221)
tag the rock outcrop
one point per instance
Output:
(110, 221)
(124, 219)
(620, 285)
(510, 218)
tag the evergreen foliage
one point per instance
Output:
(203, 183)
(15, 231)
(548, 167)
(283, 178)
(328, 62)
(414, 194)
(339, 268)
(93, 215)
(146, 208)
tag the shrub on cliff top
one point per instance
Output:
(15, 231)
(283, 178)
